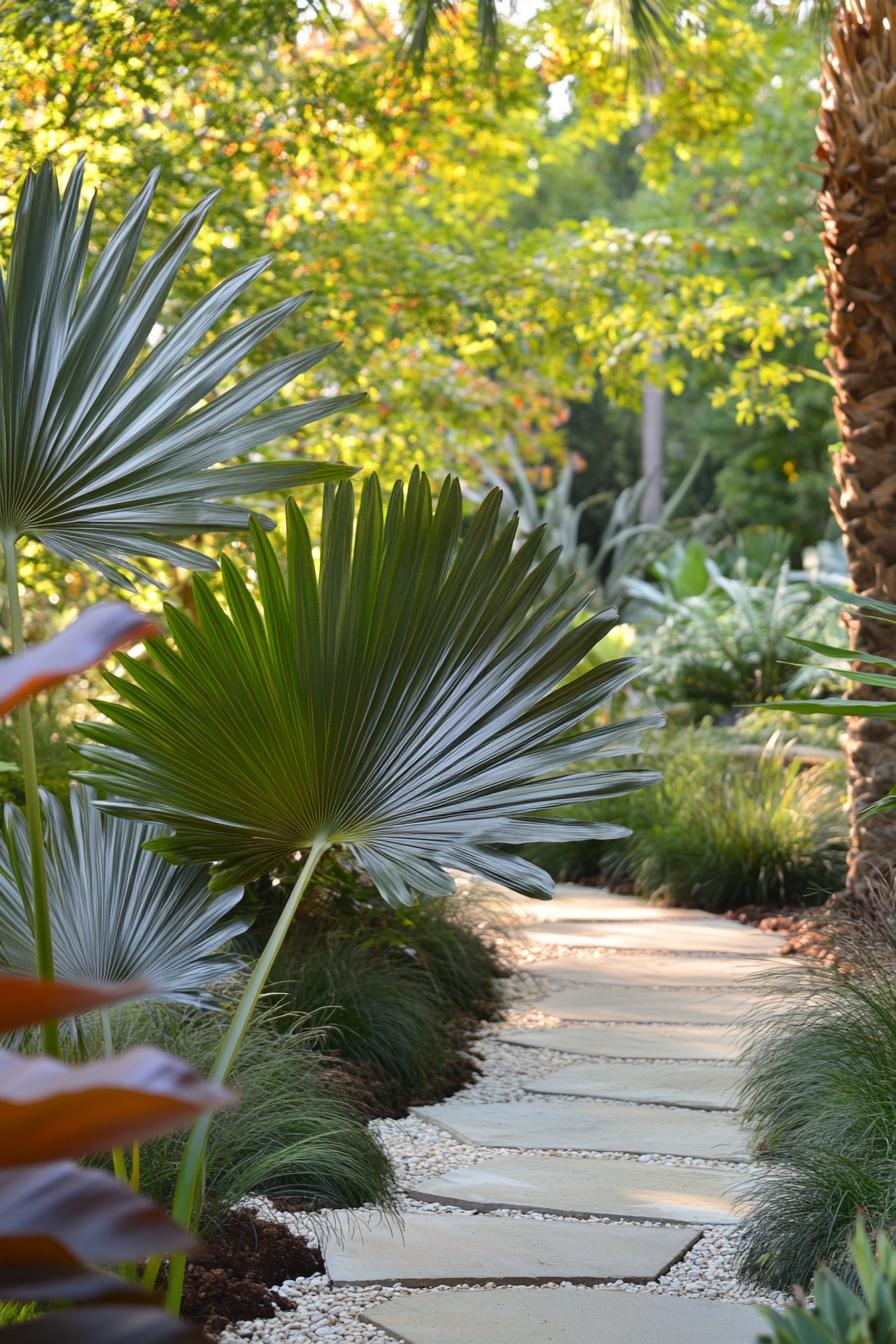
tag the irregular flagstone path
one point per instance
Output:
(633, 1040)
(434, 1250)
(582, 1187)
(619, 1167)
(706, 1087)
(598, 1002)
(565, 1316)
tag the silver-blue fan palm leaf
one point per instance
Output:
(107, 441)
(408, 700)
(119, 912)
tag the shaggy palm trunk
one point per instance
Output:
(857, 148)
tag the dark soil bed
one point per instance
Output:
(234, 1278)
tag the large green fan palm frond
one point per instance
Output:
(119, 912)
(411, 699)
(107, 440)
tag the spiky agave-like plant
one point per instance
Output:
(413, 699)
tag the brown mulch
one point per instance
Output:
(808, 933)
(234, 1277)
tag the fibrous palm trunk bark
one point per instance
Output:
(857, 148)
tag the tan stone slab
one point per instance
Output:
(564, 1316)
(611, 1003)
(591, 903)
(685, 935)
(592, 1126)
(632, 1040)
(430, 1249)
(704, 1087)
(583, 1187)
(653, 970)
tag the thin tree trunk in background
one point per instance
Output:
(857, 147)
(652, 395)
(652, 452)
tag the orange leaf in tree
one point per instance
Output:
(25, 1002)
(90, 638)
(80, 1211)
(52, 1110)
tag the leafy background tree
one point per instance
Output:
(452, 221)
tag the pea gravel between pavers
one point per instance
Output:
(322, 1312)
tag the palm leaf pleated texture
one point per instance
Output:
(119, 912)
(108, 440)
(410, 697)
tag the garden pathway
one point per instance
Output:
(583, 1189)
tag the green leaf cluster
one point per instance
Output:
(410, 697)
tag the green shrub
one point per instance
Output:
(392, 991)
(52, 747)
(820, 1096)
(841, 1316)
(445, 939)
(719, 831)
(293, 1133)
(729, 642)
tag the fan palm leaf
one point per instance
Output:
(118, 911)
(410, 700)
(107, 446)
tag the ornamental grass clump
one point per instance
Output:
(408, 699)
(721, 833)
(295, 1133)
(820, 1097)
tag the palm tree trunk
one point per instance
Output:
(857, 148)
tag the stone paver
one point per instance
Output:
(431, 1249)
(586, 1186)
(592, 1126)
(702, 1086)
(652, 970)
(611, 1003)
(565, 1316)
(685, 935)
(633, 1040)
(585, 903)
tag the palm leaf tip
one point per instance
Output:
(413, 697)
(108, 443)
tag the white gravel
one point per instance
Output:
(417, 1148)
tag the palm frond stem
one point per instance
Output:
(186, 1194)
(37, 904)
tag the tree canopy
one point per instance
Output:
(471, 305)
